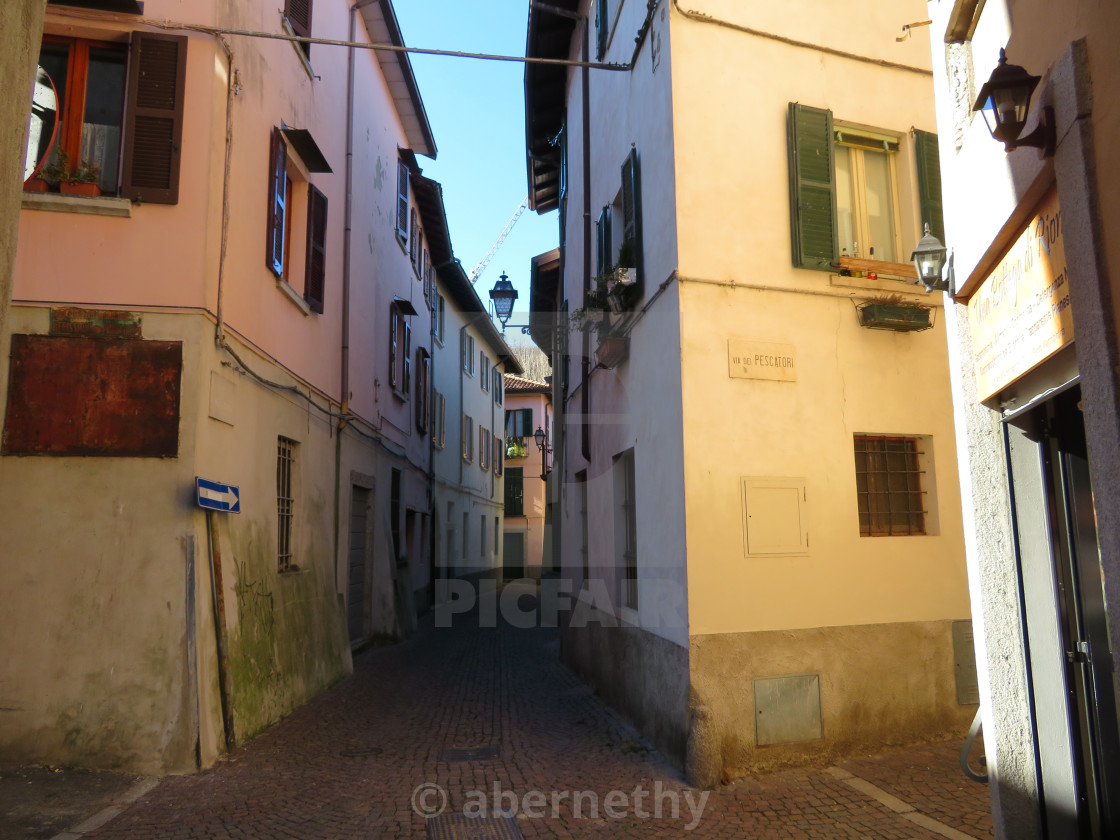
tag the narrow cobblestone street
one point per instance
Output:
(349, 765)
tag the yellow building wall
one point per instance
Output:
(731, 92)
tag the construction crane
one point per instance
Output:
(478, 269)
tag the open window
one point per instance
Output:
(400, 349)
(852, 188)
(119, 121)
(294, 203)
(298, 15)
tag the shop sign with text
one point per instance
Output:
(1020, 316)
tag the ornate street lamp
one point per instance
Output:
(929, 260)
(540, 436)
(503, 294)
(1005, 101)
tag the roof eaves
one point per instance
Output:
(383, 28)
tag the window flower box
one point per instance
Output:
(612, 350)
(900, 317)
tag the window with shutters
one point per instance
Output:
(466, 352)
(483, 448)
(295, 203)
(120, 114)
(400, 353)
(402, 203)
(618, 239)
(626, 526)
(439, 318)
(605, 13)
(423, 389)
(298, 15)
(483, 371)
(499, 454)
(519, 431)
(466, 435)
(854, 190)
(439, 419)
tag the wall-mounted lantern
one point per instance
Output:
(1005, 101)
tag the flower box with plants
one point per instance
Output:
(85, 180)
(891, 312)
(516, 448)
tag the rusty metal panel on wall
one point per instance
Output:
(93, 396)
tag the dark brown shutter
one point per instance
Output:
(394, 321)
(406, 385)
(315, 284)
(277, 209)
(153, 135)
(298, 13)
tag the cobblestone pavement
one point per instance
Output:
(349, 764)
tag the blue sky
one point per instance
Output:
(477, 112)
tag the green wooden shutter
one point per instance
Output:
(812, 187)
(603, 241)
(632, 216)
(602, 29)
(929, 182)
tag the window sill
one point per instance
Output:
(294, 572)
(294, 296)
(628, 617)
(400, 395)
(104, 205)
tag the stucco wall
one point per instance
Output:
(880, 684)
(989, 193)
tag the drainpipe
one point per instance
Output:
(344, 348)
(585, 366)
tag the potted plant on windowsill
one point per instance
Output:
(81, 181)
(892, 312)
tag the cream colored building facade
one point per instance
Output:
(468, 461)
(228, 309)
(1032, 327)
(726, 436)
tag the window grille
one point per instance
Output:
(629, 513)
(889, 487)
(285, 466)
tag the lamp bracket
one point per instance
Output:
(1043, 138)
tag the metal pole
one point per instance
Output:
(217, 599)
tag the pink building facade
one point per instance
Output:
(526, 552)
(248, 301)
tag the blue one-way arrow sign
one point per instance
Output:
(215, 496)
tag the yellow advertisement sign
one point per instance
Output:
(1020, 314)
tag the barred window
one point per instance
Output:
(285, 466)
(889, 486)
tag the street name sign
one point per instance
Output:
(215, 496)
